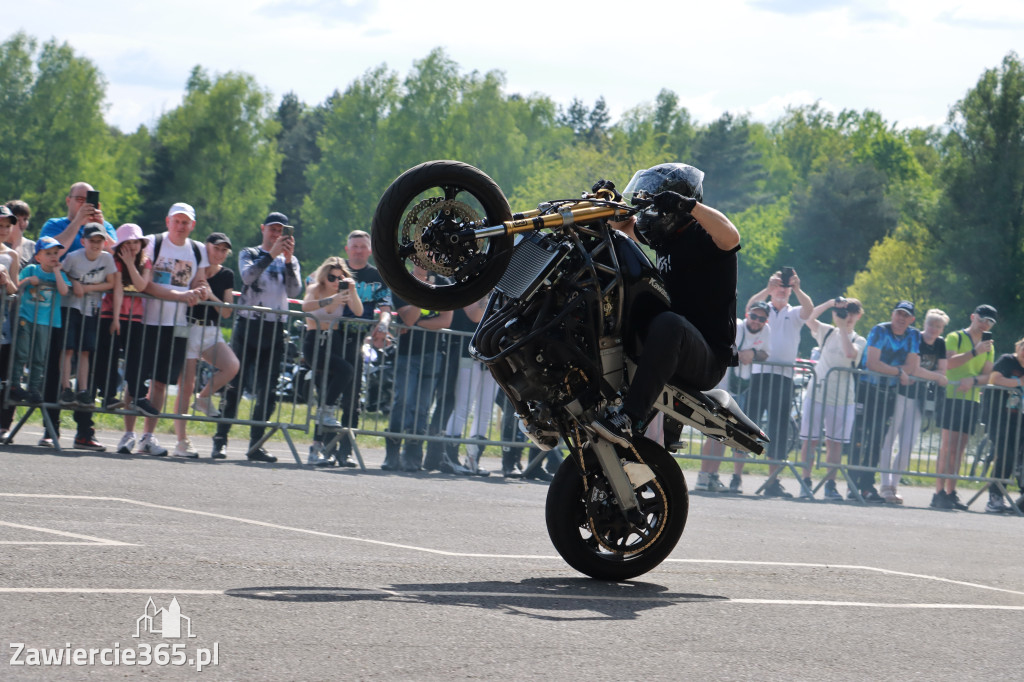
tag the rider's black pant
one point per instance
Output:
(676, 353)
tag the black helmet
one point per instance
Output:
(653, 227)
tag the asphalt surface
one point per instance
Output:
(297, 574)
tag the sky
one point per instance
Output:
(910, 60)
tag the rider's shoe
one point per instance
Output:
(616, 427)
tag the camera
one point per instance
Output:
(842, 312)
(786, 274)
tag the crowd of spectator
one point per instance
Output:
(83, 327)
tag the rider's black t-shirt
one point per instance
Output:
(701, 281)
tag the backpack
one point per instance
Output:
(159, 241)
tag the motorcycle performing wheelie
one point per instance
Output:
(561, 336)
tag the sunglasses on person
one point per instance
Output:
(333, 278)
(757, 318)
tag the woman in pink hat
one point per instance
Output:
(133, 275)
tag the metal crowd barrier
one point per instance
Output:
(121, 367)
(894, 432)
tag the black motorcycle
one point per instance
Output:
(559, 335)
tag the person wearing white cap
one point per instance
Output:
(178, 280)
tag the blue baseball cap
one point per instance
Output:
(44, 243)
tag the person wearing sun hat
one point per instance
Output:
(969, 359)
(121, 316)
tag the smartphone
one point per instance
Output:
(986, 336)
(92, 197)
(287, 231)
(787, 272)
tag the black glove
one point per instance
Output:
(608, 185)
(673, 202)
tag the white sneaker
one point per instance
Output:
(205, 405)
(149, 446)
(325, 418)
(703, 481)
(316, 454)
(184, 448)
(127, 443)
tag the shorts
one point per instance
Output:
(201, 338)
(838, 420)
(164, 355)
(79, 331)
(959, 415)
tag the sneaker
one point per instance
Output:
(736, 484)
(148, 445)
(996, 503)
(941, 501)
(447, 466)
(204, 404)
(147, 408)
(703, 481)
(954, 500)
(89, 443)
(45, 442)
(67, 398)
(473, 462)
(871, 496)
(807, 489)
(831, 494)
(35, 397)
(890, 496)
(537, 473)
(5, 436)
(1020, 503)
(316, 455)
(514, 471)
(220, 448)
(113, 403)
(84, 400)
(18, 394)
(126, 444)
(261, 455)
(616, 427)
(775, 489)
(184, 448)
(326, 418)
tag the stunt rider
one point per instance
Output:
(692, 344)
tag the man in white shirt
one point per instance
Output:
(771, 386)
(178, 281)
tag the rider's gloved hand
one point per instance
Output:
(673, 202)
(608, 185)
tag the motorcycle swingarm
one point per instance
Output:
(689, 410)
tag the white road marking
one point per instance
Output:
(91, 540)
(428, 550)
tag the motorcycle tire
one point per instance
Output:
(474, 267)
(601, 542)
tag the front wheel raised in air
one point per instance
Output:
(589, 530)
(415, 222)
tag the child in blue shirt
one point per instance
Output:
(38, 313)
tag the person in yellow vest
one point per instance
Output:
(969, 359)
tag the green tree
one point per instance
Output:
(218, 152)
(981, 228)
(297, 142)
(727, 154)
(52, 132)
(354, 166)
